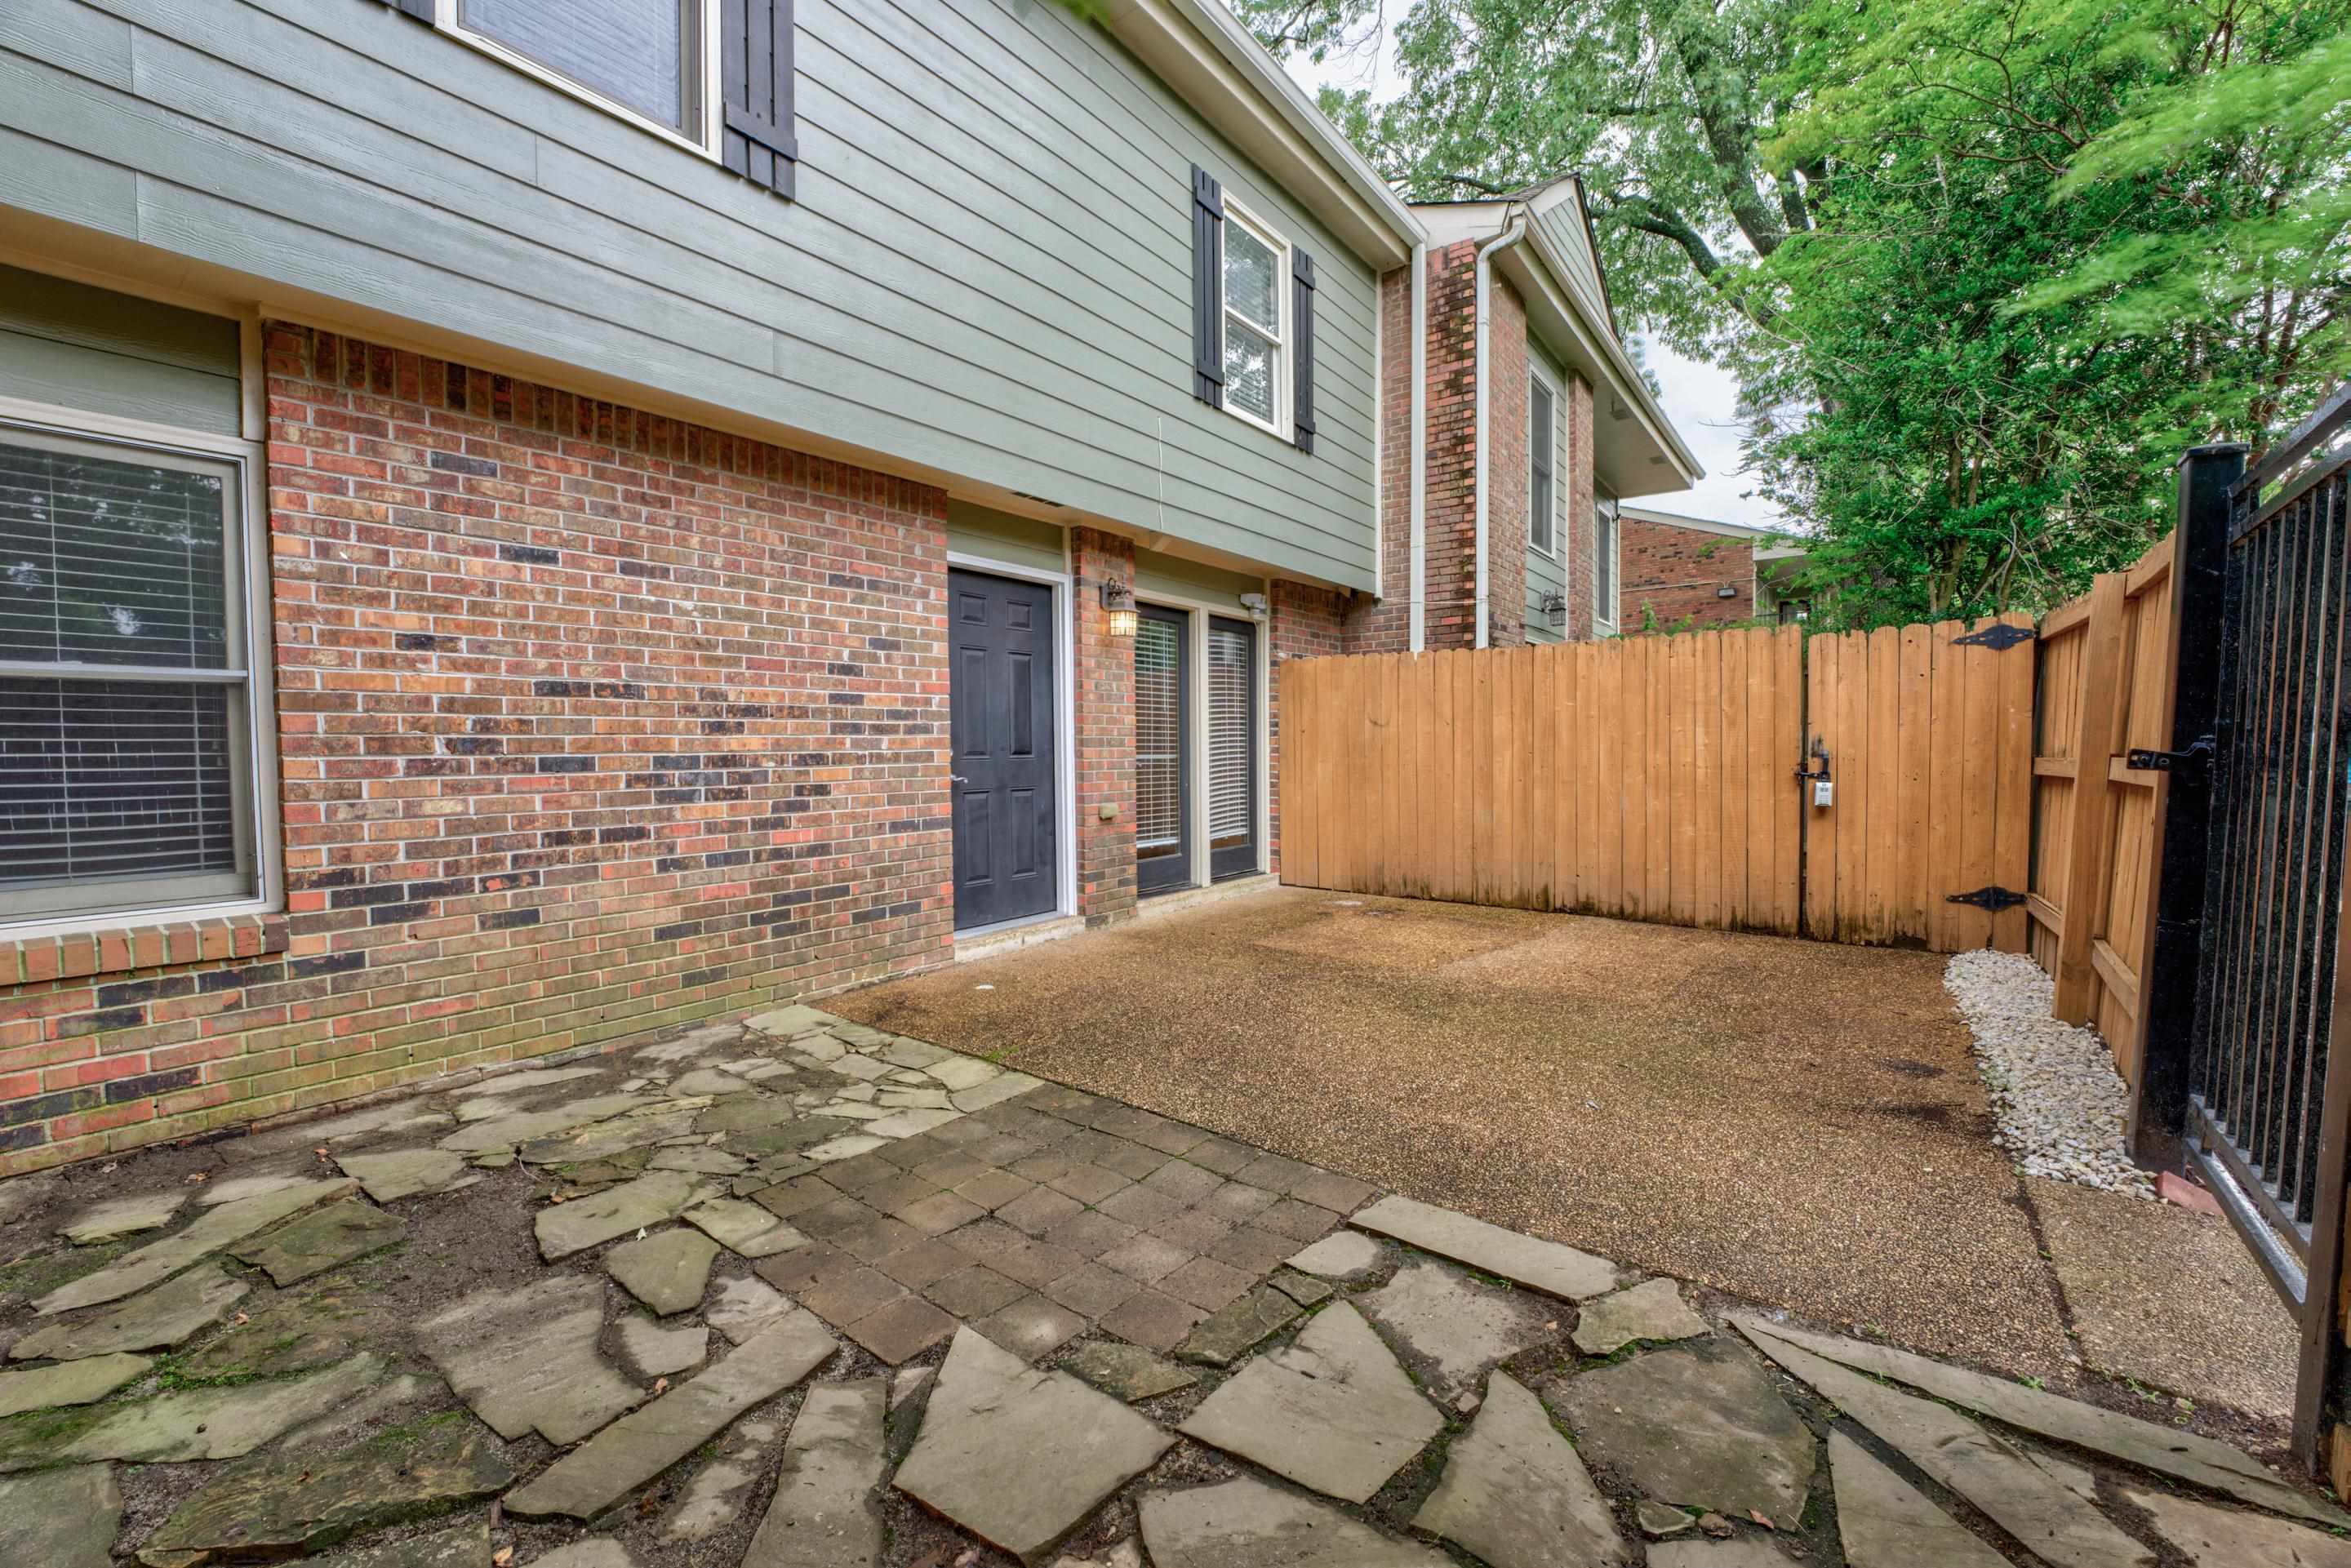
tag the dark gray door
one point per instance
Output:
(1163, 751)
(1000, 687)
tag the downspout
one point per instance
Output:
(1417, 459)
(1503, 241)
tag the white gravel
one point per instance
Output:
(2057, 1101)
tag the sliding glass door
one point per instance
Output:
(1232, 748)
(1163, 751)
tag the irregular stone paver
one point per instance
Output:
(603, 1140)
(526, 1359)
(1886, 1523)
(238, 1189)
(668, 1270)
(2167, 1451)
(2225, 1538)
(1235, 1329)
(1455, 1324)
(1521, 1259)
(1658, 1521)
(1246, 1523)
(1700, 1425)
(317, 1242)
(784, 1023)
(715, 1498)
(403, 1173)
(532, 1078)
(822, 1515)
(702, 1158)
(1654, 1310)
(662, 1352)
(599, 1552)
(1018, 1455)
(466, 1546)
(60, 1519)
(744, 1227)
(1745, 1551)
(118, 1217)
(199, 1423)
(155, 1320)
(215, 1231)
(744, 1306)
(1129, 1371)
(527, 1126)
(1333, 1411)
(640, 1446)
(584, 1222)
(1515, 1493)
(708, 1081)
(82, 1381)
(1303, 1289)
(278, 1504)
(1341, 1255)
(2002, 1480)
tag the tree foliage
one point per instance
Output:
(1983, 266)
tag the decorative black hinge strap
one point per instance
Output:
(2188, 763)
(1994, 898)
(1999, 635)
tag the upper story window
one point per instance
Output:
(1542, 436)
(652, 61)
(1257, 298)
(133, 689)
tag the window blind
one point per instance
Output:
(115, 778)
(1231, 810)
(1158, 735)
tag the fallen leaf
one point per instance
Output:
(197, 1176)
(108, 1170)
(1762, 1518)
(241, 1318)
(661, 1386)
(502, 1556)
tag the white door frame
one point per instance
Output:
(1065, 738)
(1196, 613)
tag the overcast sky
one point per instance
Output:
(1700, 400)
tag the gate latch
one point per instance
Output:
(1994, 898)
(2190, 766)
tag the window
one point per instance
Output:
(1603, 565)
(1256, 291)
(129, 683)
(1542, 435)
(649, 59)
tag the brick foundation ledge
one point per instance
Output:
(75, 955)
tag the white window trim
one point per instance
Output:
(1605, 614)
(1536, 378)
(1196, 613)
(1285, 405)
(445, 20)
(247, 458)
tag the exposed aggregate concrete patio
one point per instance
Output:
(810, 1294)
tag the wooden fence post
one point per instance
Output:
(2089, 807)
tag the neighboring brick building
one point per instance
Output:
(1681, 571)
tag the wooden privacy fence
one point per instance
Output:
(1656, 778)
(2105, 685)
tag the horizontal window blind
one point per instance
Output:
(641, 54)
(104, 561)
(116, 779)
(1158, 736)
(1230, 679)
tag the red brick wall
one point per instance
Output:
(1104, 701)
(1508, 469)
(1384, 625)
(1306, 622)
(589, 722)
(1583, 527)
(1449, 500)
(1677, 574)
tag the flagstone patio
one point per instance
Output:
(804, 1293)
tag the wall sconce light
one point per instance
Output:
(1726, 592)
(1257, 606)
(1119, 599)
(1554, 607)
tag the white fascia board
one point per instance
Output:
(1696, 525)
(1200, 48)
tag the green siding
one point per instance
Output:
(999, 536)
(986, 273)
(1176, 577)
(92, 349)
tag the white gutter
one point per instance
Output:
(1418, 456)
(1483, 435)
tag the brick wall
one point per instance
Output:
(1677, 574)
(1306, 622)
(1384, 625)
(1450, 499)
(589, 722)
(1508, 467)
(1104, 701)
(1583, 526)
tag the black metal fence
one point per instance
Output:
(2252, 901)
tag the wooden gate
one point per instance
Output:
(1657, 778)
(1929, 736)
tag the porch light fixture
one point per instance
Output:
(1554, 607)
(1119, 599)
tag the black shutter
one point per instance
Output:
(1208, 289)
(1301, 314)
(755, 73)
